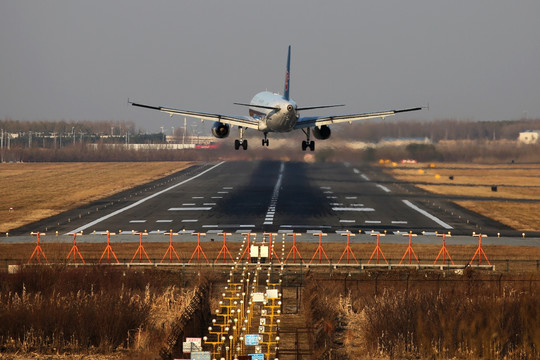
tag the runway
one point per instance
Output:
(274, 196)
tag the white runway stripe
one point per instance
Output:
(135, 204)
(269, 218)
(352, 209)
(428, 215)
(202, 208)
(384, 188)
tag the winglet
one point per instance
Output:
(287, 76)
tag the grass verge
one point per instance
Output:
(31, 192)
(517, 184)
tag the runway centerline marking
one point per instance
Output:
(135, 204)
(428, 215)
(269, 218)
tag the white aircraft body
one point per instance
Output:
(271, 112)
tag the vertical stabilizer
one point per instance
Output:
(287, 76)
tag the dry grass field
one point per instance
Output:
(30, 192)
(518, 188)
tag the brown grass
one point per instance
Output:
(514, 182)
(88, 310)
(39, 190)
(425, 315)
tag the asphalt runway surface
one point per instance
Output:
(273, 196)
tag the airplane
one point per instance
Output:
(272, 112)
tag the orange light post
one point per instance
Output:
(271, 251)
(294, 249)
(224, 249)
(377, 250)
(479, 251)
(38, 250)
(108, 249)
(74, 249)
(320, 249)
(409, 250)
(140, 249)
(348, 249)
(198, 249)
(443, 250)
(247, 249)
(170, 249)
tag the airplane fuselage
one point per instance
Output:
(281, 119)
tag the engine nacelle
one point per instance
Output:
(220, 130)
(322, 133)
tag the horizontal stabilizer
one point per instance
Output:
(319, 107)
(259, 106)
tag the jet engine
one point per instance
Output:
(220, 130)
(321, 133)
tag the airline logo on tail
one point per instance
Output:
(286, 91)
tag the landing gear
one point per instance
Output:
(310, 145)
(243, 143)
(307, 143)
(238, 144)
(265, 140)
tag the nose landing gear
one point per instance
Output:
(265, 140)
(307, 143)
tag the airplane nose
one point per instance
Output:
(289, 108)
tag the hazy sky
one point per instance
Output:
(81, 60)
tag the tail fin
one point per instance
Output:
(287, 76)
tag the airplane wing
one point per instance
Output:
(309, 121)
(244, 121)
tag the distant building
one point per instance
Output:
(388, 141)
(529, 137)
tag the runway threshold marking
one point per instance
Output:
(428, 215)
(135, 204)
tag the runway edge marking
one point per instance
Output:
(428, 215)
(84, 227)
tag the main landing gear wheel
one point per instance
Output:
(241, 142)
(310, 145)
(238, 144)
